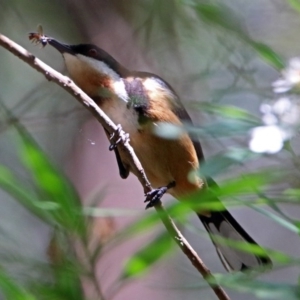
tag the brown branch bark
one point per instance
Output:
(68, 85)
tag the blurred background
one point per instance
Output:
(214, 54)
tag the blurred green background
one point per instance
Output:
(212, 52)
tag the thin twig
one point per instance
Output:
(189, 251)
(125, 147)
(92, 270)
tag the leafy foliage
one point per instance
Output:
(141, 261)
(227, 53)
(11, 290)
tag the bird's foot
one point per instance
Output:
(119, 136)
(154, 196)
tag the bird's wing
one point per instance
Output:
(179, 109)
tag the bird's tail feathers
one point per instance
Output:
(222, 227)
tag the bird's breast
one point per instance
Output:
(120, 113)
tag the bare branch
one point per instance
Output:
(135, 164)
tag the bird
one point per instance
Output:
(139, 101)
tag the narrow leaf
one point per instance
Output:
(219, 163)
(268, 55)
(261, 289)
(285, 223)
(141, 261)
(11, 290)
(228, 111)
(54, 187)
(295, 4)
(219, 15)
(15, 188)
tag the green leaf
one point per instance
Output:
(283, 222)
(65, 284)
(225, 127)
(61, 200)
(224, 17)
(222, 128)
(219, 163)
(255, 249)
(52, 185)
(248, 183)
(219, 15)
(146, 222)
(261, 289)
(228, 111)
(292, 193)
(244, 185)
(11, 290)
(268, 55)
(141, 261)
(233, 121)
(295, 4)
(15, 188)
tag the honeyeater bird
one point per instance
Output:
(138, 101)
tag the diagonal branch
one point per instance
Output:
(125, 147)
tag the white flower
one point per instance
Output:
(284, 111)
(267, 139)
(282, 116)
(282, 106)
(287, 111)
(269, 119)
(265, 108)
(290, 77)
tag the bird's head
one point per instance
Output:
(95, 71)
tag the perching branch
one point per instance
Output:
(124, 146)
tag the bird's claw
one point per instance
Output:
(117, 137)
(154, 196)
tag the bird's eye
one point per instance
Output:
(92, 52)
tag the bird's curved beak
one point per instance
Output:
(62, 48)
